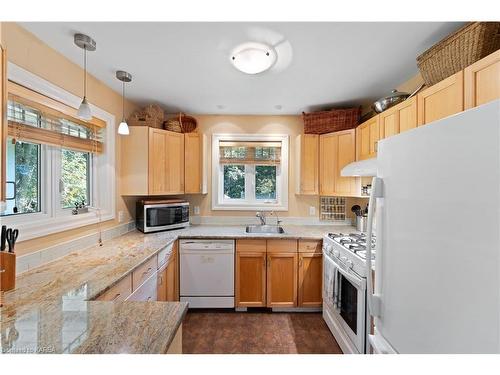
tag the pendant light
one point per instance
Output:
(87, 44)
(124, 77)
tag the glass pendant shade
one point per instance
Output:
(84, 111)
(123, 128)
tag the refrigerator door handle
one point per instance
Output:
(373, 300)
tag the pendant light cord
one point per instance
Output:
(84, 71)
(123, 101)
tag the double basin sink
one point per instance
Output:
(265, 229)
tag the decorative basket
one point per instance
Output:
(459, 50)
(152, 115)
(181, 124)
(331, 121)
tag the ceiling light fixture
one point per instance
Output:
(87, 44)
(253, 57)
(124, 77)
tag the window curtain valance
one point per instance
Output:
(33, 117)
(268, 153)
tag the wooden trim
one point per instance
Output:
(470, 84)
(281, 246)
(250, 245)
(48, 137)
(45, 104)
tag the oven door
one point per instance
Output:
(349, 303)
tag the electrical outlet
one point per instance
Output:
(196, 210)
(121, 216)
(312, 210)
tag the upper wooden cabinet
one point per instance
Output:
(336, 150)
(3, 122)
(482, 81)
(307, 164)
(398, 119)
(152, 162)
(195, 180)
(441, 100)
(367, 135)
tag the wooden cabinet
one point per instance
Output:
(310, 273)
(147, 291)
(282, 263)
(250, 282)
(441, 100)
(152, 162)
(194, 149)
(397, 119)
(3, 122)
(482, 81)
(336, 151)
(168, 273)
(118, 292)
(144, 272)
(307, 164)
(367, 135)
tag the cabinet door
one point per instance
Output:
(309, 164)
(482, 81)
(158, 183)
(310, 279)
(408, 114)
(171, 277)
(162, 285)
(367, 135)
(346, 154)
(3, 122)
(327, 161)
(443, 99)
(193, 157)
(250, 284)
(389, 123)
(175, 162)
(282, 279)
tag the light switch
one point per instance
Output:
(312, 210)
(196, 210)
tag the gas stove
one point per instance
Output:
(356, 242)
(349, 250)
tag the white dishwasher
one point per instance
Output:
(207, 273)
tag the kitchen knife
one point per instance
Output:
(3, 238)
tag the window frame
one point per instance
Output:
(250, 203)
(52, 218)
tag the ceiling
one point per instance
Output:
(185, 66)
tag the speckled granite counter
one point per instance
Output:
(51, 310)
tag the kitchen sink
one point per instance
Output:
(265, 229)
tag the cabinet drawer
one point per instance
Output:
(143, 272)
(253, 246)
(165, 254)
(147, 291)
(118, 292)
(310, 246)
(281, 246)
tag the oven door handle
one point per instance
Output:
(358, 282)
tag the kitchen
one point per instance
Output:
(147, 208)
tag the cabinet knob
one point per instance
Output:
(118, 295)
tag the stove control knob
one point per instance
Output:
(336, 253)
(343, 259)
(350, 264)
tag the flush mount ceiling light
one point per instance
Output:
(87, 44)
(253, 57)
(124, 77)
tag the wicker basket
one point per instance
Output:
(331, 121)
(181, 124)
(459, 50)
(152, 115)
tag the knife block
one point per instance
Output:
(8, 276)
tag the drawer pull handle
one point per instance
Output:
(149, 299)
(147, 271)
(118, 295)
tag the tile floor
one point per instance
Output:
(226, 332)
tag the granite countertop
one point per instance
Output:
(52, 308)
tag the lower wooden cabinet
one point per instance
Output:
(250, 282)
(118, 292)
(310, 279)
(168, 285)
(282, 279)
(147, 291)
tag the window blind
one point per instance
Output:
(267, 153)
(35, 118)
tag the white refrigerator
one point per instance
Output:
(436, 201)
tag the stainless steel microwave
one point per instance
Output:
(156, 215)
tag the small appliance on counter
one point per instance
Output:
(153, 215)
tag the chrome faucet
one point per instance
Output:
(278, 221)
(262, 217)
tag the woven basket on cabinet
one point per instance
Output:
(330, 121)
(181, 124)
